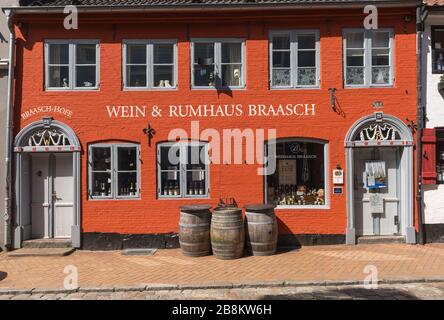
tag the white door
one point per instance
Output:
(63, 197)
(40, 196)
(52, 205)
(385, 222)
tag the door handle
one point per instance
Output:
(54, 195)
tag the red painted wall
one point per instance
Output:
(91, 122)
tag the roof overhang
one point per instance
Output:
(212, 7)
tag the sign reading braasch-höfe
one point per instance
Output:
(211, 110)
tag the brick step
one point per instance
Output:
(380, 239)
(46, 243)
(41, 252)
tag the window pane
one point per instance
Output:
(136, 76)
(169, 158)
(196, 183)
(355, 75)
(281, 42)
(202, 51)
(306, 41)
(196, 157)
(86, 76)
(101, 159)
(355, 40)
(86, 54)
(127, 158)
(136, 53)
(307, 59)
(101, 184)
(204, 76)
(231, 53)
(163, 53)
(307, 77)
(58, 54)
(381, 75)
(58, 77)
(381, 57)
(163, 76)
(281, 59)
(127, 184)
(380, 39)
(355, 58)
(170, 183)
(281, 77)
(299, 177)
(232, 75)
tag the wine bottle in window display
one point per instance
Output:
(132, 189)
(176, 189)
(103, 191)
(189, 189)
(201, 187)
(170, 189)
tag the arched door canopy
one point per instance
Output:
(378, 130)
(46, 135)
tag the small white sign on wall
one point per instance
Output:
(338, 176)
(376, 203)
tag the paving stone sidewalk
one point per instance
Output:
(100, 271)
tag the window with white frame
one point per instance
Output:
(149, 64)
(182, 170)
(114, 171)
(294, 58)
(72, 65)
(218, 63)
(298, 178)
(368, 57)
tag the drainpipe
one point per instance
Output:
(421, 15)
(8, 151)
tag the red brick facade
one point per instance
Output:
(91, 123)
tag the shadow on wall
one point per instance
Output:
(3, 275)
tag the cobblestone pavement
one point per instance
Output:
(317, 263)
(411, 291)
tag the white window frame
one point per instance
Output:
(218, 61)
(368, 58)
(326, 205)
(149, 63)
(114, 171)
(294, 34)
(183, 156)
(72, 64)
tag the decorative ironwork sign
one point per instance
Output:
(48, 137)
(379, 132)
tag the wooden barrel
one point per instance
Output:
(261, 229)
(194, 230)
(227, 233)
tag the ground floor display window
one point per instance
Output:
(114, 171)
(182, 170)
(299, 177)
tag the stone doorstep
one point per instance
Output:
(380, 239)
(47, 243)
(219, 285)
(41, 252)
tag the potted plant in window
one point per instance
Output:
(441, 84)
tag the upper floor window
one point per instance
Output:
(368, 57)
(294, 58)
(438, 49)
(218, 63)
(72, 65)
(150, 64)
(182, 170)
(114, 171)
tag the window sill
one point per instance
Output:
(301, 207)
(72, 90)
(114, 199)
(295, 88)
(149, 89)
(381, 86)
(182, 198)
(220, 88)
